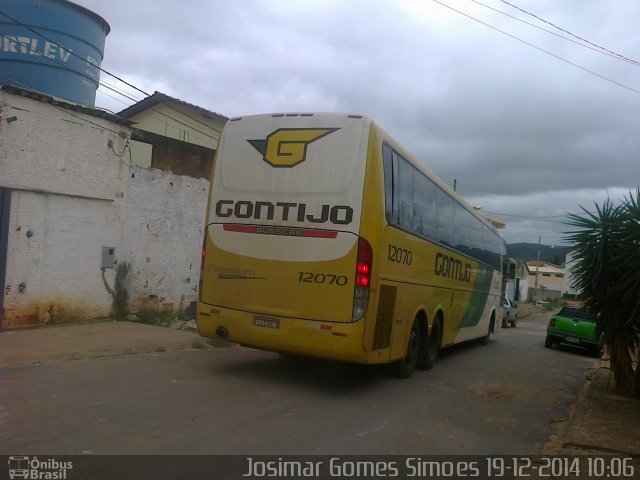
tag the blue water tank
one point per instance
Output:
(53, 46)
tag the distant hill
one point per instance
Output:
(529, 251)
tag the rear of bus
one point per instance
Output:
(284, 267)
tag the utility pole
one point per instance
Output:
(538, 264)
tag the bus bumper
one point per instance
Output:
(323, 339)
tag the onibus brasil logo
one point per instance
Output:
(287, 147)
(31, 468)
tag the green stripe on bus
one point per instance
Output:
(478, 299)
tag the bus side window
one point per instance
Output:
(387, 158)
(405, 192)
(424, 205)
(444, 217)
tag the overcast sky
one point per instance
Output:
(524, 132)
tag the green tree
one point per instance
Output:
(606, 248)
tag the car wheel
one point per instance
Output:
(505, 321)
(548, 343)
(514, 321)
(404, 368)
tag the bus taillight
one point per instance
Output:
(363, 279)
(362, 274)
(204, 252)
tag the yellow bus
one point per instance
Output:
(325, 238)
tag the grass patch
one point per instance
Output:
(216, 343)
(153, 316)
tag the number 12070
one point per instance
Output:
(399, 255)
(327, 278)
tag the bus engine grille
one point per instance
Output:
(384, 317)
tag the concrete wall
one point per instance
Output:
(74, 192)
(544, 295)
(53, 264)
(66, 184)
(50, 149)
(162, 237)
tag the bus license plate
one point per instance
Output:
(572, 340)
(269, 322)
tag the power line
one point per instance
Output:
(118, 92)
(525, 216)
(102, 127)
(572, 34)
(186, 124)
(102, 83)
(594, 48)
(112, 96)
(130, 97)
(62, 66)
(538, 48)
(36, 53)
(544, 218)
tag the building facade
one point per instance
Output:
(163, 123)
(75, 211)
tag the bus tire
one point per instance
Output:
(430, 347)
(485, 340)
(404, 368)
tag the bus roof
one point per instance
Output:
(332, 116)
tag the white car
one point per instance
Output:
(509, 313)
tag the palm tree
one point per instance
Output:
(607, 273)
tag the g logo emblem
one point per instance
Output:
(287, 147)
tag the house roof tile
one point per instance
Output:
(159, 97)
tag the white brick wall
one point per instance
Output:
(53, 265)
(163, 228)
(74, 192)
(47, 148)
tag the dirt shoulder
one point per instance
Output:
(527, 309)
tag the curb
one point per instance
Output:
(557, 444)
(600, 422)
(91, 340)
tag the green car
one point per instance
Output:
(573, 326)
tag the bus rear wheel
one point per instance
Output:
(485, 340)
(431, 346)
(405, 367)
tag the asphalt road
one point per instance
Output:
(502, 398)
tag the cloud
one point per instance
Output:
(522, 131)
(543, 214)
